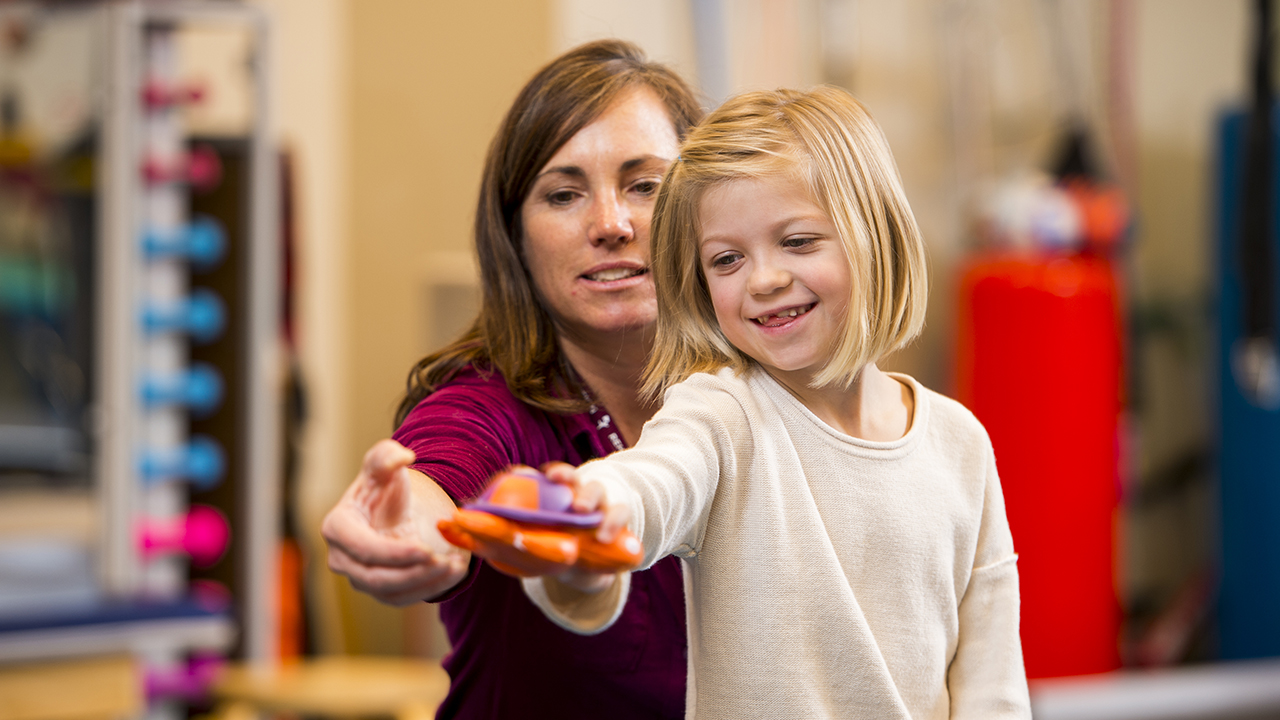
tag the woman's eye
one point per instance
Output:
(647, 187)
(561, 197)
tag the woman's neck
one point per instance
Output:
(613, 368)
(876, 407)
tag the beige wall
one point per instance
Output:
(311, 115)
(429, 82)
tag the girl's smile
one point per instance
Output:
(777, 319)
(777, 274)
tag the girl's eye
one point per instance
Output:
(725, 260)
(798, 242)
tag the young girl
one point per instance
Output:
(843, 528)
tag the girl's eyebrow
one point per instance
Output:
(777, 227)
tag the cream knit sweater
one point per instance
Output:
(828, 576)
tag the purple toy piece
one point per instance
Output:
(554, 504)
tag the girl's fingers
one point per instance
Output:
(616, 518)
(588, 498)
(561, 472)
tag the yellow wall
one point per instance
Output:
(429, 82)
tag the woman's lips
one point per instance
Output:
(614, 274)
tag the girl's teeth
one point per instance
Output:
(784, 314)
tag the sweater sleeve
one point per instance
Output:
(668, 481)
(986, 678)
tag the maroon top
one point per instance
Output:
(508, 659)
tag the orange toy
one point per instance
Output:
(524, 526)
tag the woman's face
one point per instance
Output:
(586, 220)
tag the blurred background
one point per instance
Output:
(175, 176)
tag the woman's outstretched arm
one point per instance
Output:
(382, 534)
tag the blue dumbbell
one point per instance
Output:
(202, 243)
(200, 462)
(202, 316)
(199, 389)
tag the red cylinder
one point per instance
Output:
(1039, 363)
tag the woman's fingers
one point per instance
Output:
(349, 533)
(405, 585)
(383, 460)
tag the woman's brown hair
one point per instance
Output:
(513, 333)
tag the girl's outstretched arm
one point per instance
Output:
(661, 490)
(590, 601)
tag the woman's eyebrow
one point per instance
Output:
(627, 166)
(643, 160)
(572, 170)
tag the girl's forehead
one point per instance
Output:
(740, 201)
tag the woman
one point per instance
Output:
(549, 371)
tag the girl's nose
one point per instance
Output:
(766, 278)
(610, 221)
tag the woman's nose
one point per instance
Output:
(611, 221)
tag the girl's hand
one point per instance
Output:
(590, 497)
(587, 498)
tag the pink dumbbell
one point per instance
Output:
(202, 533)
(199, 168)
(188, 682)
(158, 94)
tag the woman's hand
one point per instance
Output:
(382, 534)
(589, 497)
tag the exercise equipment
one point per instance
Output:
(202, 316)
(1039, 363)
(202, 534)
(157, 94)
(1248, 382)
(200, 168)
(200, 462)
(198, 388)
(190, 681)
(202, 243)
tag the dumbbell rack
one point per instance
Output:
(149, 254)
(147, 317)
(145, 390)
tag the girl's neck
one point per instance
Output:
(876, 407)
(613, 368)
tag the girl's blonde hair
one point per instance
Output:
(827, 140)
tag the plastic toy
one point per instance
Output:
(524, 526)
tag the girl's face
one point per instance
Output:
(586, 219)
(777, 274)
